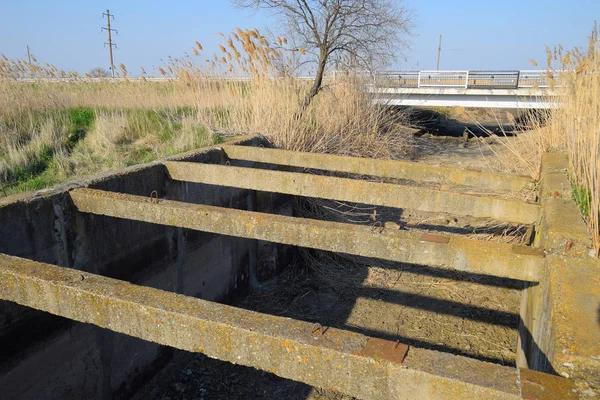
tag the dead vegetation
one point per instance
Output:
(573, 127)
(59, 125)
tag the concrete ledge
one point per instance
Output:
(574, 313)
(452, 252)
(335, 359)
(562, 220)
(354, 190)
(564, 313)
(384, 168)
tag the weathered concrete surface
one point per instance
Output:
(540, 386)
(286, 347)
(46, 357)
(358, 191)
(384, 168)
(563, 314)
(498, 259)
(561, 220)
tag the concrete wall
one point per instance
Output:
(560, 330)
(48, 357)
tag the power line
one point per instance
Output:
(439, 53)
(110, 42)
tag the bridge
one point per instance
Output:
(484, 89)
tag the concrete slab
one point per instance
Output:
(357, 191)
(332, 359)
(418, 172)
(480, 257)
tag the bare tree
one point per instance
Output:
(365, 32)
(99, 72)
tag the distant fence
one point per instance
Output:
(465, 79)
(390, 79)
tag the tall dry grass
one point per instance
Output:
(573, 126)
(251, 86)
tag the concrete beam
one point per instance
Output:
(437, 91)
(503, 102)
(453, 252)
(355, 190)
(522, 98)
(384, 168)
(336, 359)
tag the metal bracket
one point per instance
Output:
(527, 250)
(381, 349)
(433, 238)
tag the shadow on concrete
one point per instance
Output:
(519, 230)
(305, 299)
(537, 360)
(480, 279)
(296, 294)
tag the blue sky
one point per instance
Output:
(477, 34)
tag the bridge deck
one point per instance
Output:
(484, 89)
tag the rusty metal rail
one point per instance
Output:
(418, 172)
(334, 359)
(454, 252)
(356, 190)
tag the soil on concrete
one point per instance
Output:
(470, 315)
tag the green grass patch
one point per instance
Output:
(80, 122)
(582, 197)
(218, 139)
(39, 182)
(30, 171)
(150, 122)
(151, 135)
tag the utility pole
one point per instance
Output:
(110, 43)
(28, 54)
(439, 52)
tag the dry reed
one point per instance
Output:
(573, 126)
(251, 86)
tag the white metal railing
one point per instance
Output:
(448, 79)
(534, 79)
(467, 79)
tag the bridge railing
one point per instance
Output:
(494, 79)
(535, 79)
(465, 79)
(448, 79)
(406, 79)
